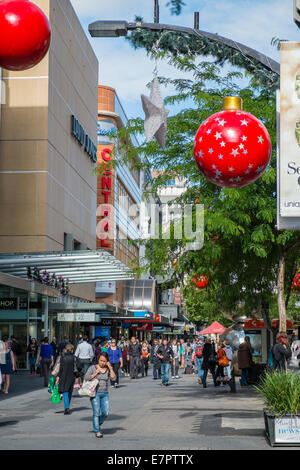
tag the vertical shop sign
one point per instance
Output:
(289, 150)
(105, 211)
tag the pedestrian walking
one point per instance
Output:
(175, 360)
(103, 372)
(155, 360)
(165, 354)
(32, 350)
(182, 353)
(223, 361)
(245, 360)
(54, 348)
(85, 353)
(16, 349)
(145, 359)
(121, 343)
(8, 368)
(134, 355)
(63, 344)
(46, 359)
(198, 354)
(116, 360)
(228, 352)
(67, 375)
(126, 364)
(281, 352)
(209, 361)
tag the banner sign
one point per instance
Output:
(289, 152)
(287, 430)
(77, 317)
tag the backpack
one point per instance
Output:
(189, 370)
(198, 351)
(16, 348)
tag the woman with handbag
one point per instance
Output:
(102, 372)
(209, 361)
(223, 361)
(66, 376)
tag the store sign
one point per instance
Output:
(159, 329)
(289, 152)
(287, 430)
(105, 210)
(105, 130)
(110, 322)
(106, 287)
(7, 303)
(76, 317)
(83, 139)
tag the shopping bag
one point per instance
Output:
(51, 384)
(88, 388)
(56, 368)
(55, 397)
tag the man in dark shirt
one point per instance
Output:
(134, 355)
(165, 354)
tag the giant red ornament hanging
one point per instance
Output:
(232, 148)
(200, 281)
(25, 34)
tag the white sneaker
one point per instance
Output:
(173, 377)
(177, 377)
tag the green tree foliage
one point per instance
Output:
(176, 6)
(243, 250)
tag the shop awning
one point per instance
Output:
(77, 266)
(214, 328)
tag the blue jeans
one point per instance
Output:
(245, 375)
(228, 368)
(199, 361)
(165, 372)
(67, 399)
(32, 363)
(100, 405)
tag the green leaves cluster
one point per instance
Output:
(281, 392)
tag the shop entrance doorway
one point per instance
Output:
(19, 331)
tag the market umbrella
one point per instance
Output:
(214, 328)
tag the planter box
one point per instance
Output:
(283, 431)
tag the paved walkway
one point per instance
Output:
(144, 415)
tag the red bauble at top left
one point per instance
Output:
(25, 34)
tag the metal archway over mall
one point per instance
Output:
(121, 28)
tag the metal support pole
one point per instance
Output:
(156, 11)
(46, 314)
(196, 19)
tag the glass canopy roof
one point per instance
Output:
(77, 266)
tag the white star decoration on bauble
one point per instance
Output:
(156, 115)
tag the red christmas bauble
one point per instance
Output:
(296, 283)
(200, 281)
(25, 34)
(232, 148)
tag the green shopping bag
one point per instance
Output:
(55, 397)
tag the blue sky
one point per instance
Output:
(251, 22)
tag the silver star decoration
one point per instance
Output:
(156, 115)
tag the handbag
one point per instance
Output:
(88, 388)
(56, 368)
(55, 397)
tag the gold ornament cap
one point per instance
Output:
(232, 103)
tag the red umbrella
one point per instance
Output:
(214, 328)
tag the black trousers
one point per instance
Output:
(116, 367)
(134, 366)
(212, 369)
(145, 366)
(46, 368)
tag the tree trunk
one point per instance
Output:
(280, 294)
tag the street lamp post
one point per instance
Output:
(121, 28)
